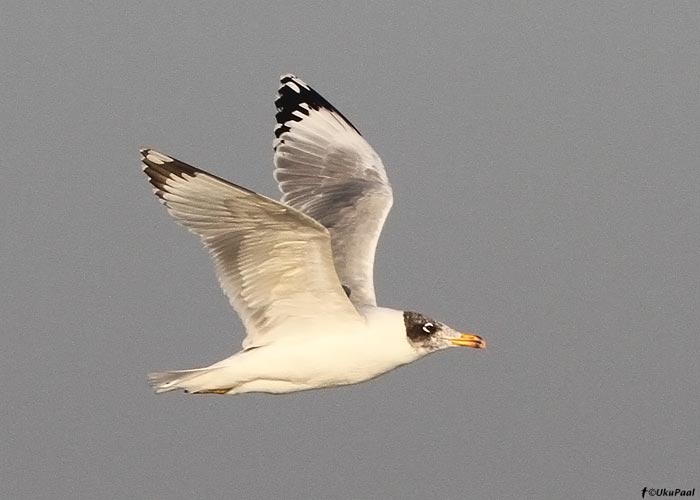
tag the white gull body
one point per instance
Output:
(299, 272)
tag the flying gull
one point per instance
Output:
(299, 272)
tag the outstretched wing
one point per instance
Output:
(273, 262)
(326, 169)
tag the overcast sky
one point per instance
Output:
(544, 158)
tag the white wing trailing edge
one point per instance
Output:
(273, 262)
(326, 169)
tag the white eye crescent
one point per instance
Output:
(428, 328)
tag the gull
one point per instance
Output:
(299, 272)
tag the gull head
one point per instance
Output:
(428, 335)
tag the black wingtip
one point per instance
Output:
(296, 97)
(159, 167)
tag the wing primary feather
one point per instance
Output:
(326, 169)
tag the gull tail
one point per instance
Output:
(196, 381)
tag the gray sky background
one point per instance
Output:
(544, 158)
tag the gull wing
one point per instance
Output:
(273, 262)
(326, 169)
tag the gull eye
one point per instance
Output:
(429, 328)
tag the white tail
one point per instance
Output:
(197, 380)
